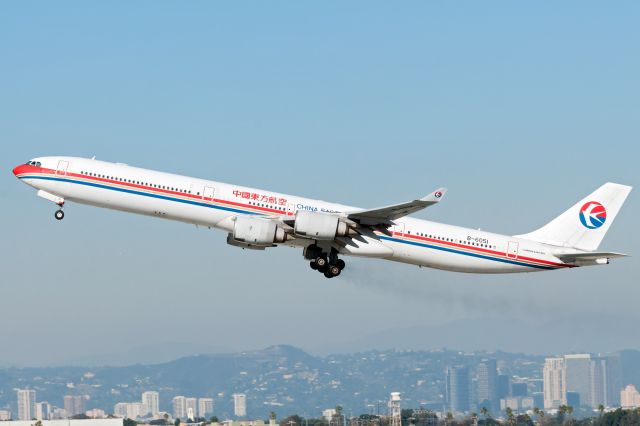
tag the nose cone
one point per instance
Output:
(21, 169)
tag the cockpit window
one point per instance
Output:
(34, 163)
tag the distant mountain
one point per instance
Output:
(586, 333)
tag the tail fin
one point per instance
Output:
(584, 225)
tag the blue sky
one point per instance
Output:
(519, 109)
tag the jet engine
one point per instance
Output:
(256, 232)
(320, 226)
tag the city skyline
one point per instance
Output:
(470, 382)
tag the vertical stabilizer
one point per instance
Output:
(585, 224)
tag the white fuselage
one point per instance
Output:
(215, 204)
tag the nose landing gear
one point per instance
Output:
(59, 214)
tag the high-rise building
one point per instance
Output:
(395, 412)
(605, 381)
(630, 397)
(240, 404)
(58, 413)
(129, 410)
(573, 399)
(151, 400)
(205, 407)
(458, 389)
(192, 407)
(328, 414)
(503, 388)
(5, 415)
(43, 411)
(598, 389)
(554, 382)
(538, 399)
(519, 389)
(96, 413)
(179, 404)
(578, 376)
(75, 404)
(487, 383)
(26, 404)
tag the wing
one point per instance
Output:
(386, 215)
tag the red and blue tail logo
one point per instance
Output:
(593, 215)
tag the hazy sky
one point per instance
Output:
(519, 109)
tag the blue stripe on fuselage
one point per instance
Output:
(131, 191)
(450, 250)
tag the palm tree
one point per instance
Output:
(562, 412)
(474, 418)
(449, 418)
(485, 412)
(511, 418)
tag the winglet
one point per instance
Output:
(435, 196)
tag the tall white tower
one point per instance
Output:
(239, 404)
(394, 409)
(151, 401)
(26, 404)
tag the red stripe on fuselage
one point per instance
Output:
(481, 250)
(41, 170)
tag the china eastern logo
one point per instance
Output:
(593, 215)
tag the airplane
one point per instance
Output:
(258, 219)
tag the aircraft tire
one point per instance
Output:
(59, 214)
(328, 274)
(321, 262)
(334, 271)
(340, 264)
(313, 265)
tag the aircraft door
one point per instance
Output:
(512, 251)
(62, 167)
(291, 209)
(398, 230)
(208, 193)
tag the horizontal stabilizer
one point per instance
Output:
(592, 257)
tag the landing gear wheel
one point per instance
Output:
(59, 214)
(334, 271)
(321, 263)
(313, 265)
(340, 264)
(328, 274)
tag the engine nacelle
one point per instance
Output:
(319, 226)
(256, 231)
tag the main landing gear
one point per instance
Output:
(329, 265)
